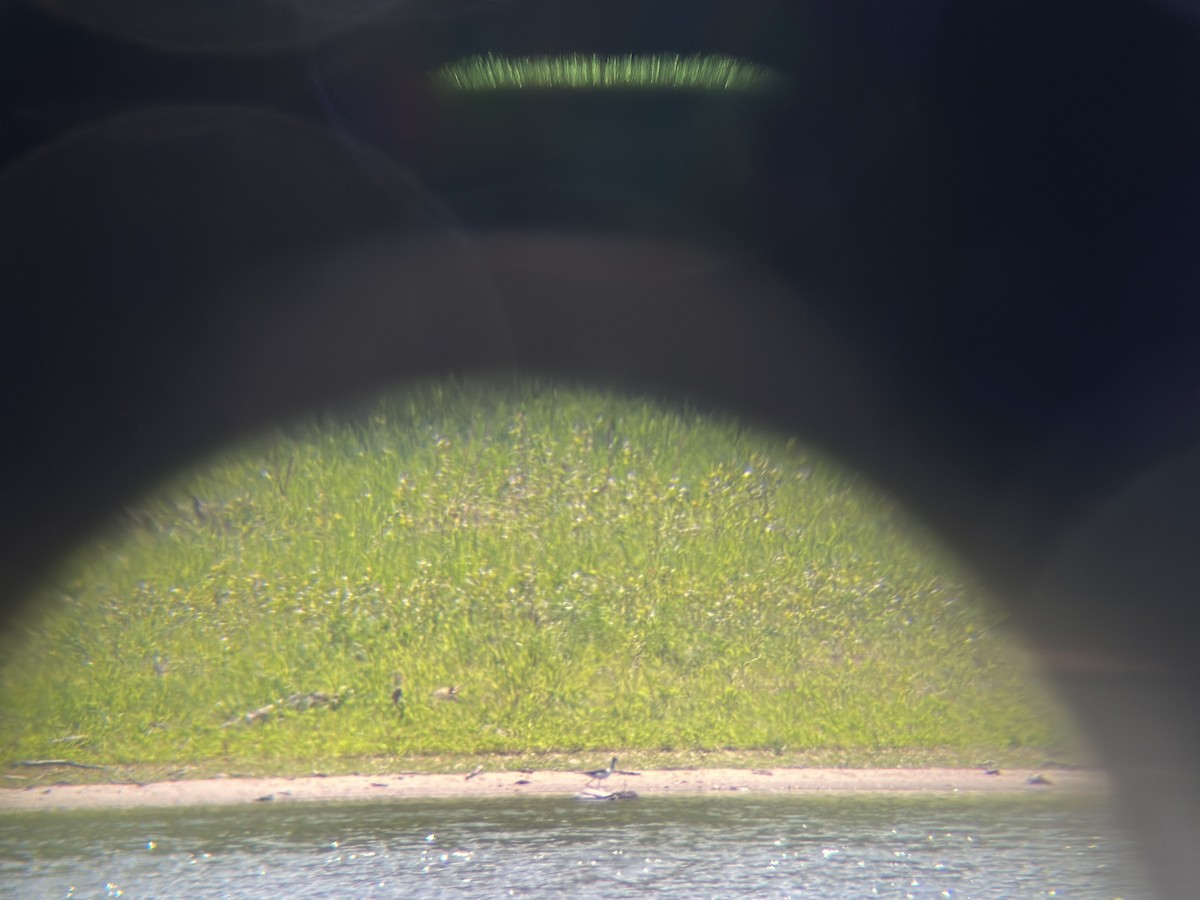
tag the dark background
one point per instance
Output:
(961, 250)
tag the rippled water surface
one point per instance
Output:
(822, 846)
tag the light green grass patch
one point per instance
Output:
(591, 572)
(579, 71)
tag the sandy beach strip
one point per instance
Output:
(675, 782)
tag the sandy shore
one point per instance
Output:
(233, 790)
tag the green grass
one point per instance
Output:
(592, 572)
(660, 71)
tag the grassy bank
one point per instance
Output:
(587, 571)
(577, 71)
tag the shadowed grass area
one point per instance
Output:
(659, 71)
(588, 571)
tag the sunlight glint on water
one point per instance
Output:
(823, 846)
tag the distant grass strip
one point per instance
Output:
(662, 71)
(588, 572)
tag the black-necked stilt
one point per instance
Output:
(601, 774)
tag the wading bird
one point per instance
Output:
(601, 774)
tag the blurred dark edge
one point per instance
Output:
(961, 254)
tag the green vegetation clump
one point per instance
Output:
(586, 572)
(660, 71)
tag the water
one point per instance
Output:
(823, 846)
